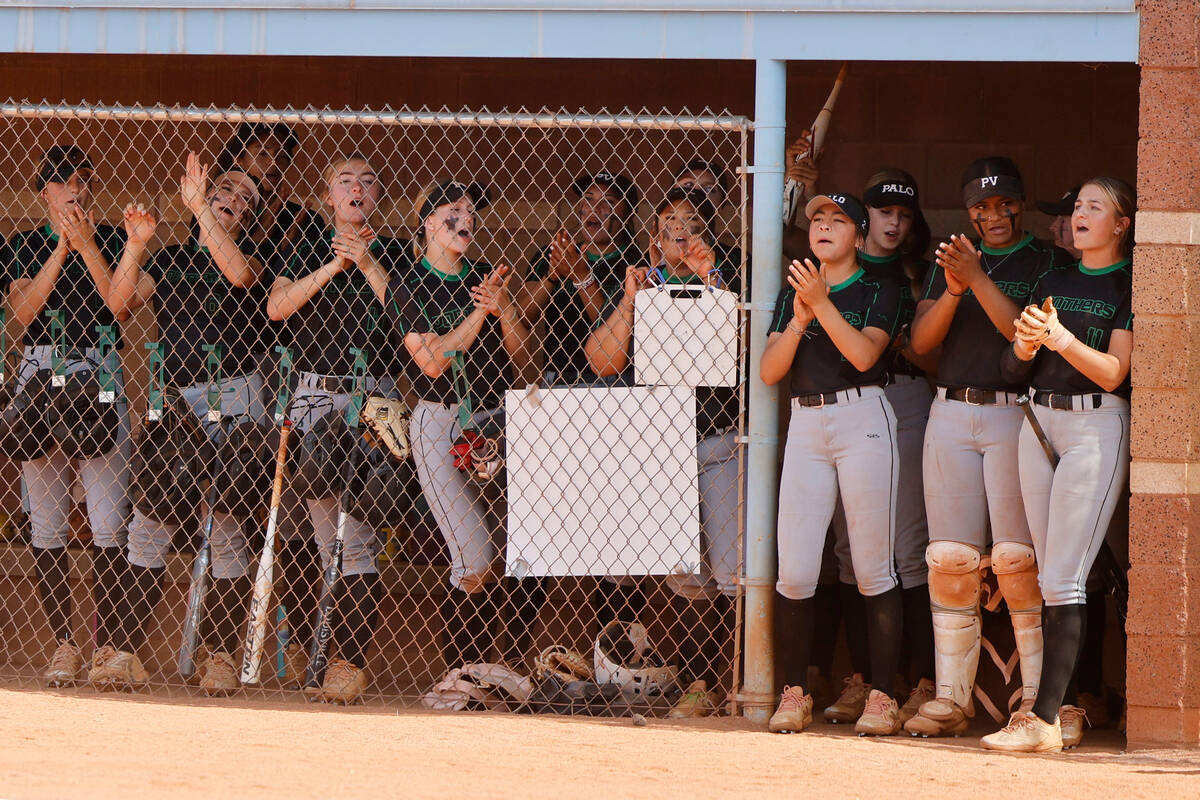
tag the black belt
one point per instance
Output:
(818, 399)
(973, 396)
(1067, 402)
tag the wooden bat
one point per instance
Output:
(816, 143)
(264, 581)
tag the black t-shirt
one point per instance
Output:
(972, 348)
(716, 406)
(344, 314)
(74, 293)
(1091, 304)
(194, 305)
(891, 268)
(567, 323)
(819, 366)
(423, 300)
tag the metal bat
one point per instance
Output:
(203, 560)
(264, 581)
(1115, 579)
(816, 143)
(318, 652)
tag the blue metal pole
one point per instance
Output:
(770, 95)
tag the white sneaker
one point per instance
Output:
(1026, 732)
(794, 713)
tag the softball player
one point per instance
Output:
(970, 457)
(1076, 358)
(202, 295)
(331, 289)
(264, 152)
(574, 278)
(66, 267)
(828, 337)
(449, 303)
(682, 251)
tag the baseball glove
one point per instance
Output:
(563, 663)
(387, 425)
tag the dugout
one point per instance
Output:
(1066, 93)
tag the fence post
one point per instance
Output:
(770, 93)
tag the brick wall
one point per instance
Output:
(1164, 621)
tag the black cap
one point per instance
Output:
(1063, 206)
(991, 176)
(625, 188)
(451, 191)
(704, 165)
(850, 205)
(59, 163)
(893, 193)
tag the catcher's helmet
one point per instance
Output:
(169, 466)
(24, 428)
(246, 470)
(625, 656)
(82, 425)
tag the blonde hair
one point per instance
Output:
(335, 167)
(1124, 201)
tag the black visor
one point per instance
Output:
(453, 191)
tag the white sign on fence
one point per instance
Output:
(602, 481)
(685, 336)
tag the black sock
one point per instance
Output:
(885, 623)
(613, 601)
(1071, 694)
(828, 620)
(1062, 632)
(143, 592)
(1090, 672)
(525, 597)
(228, 604)
(918, 632)
(466, 619)
(358, 614)
(108, 567)
(53, 566)
(796, 636)
(854, 614)
(301, 570)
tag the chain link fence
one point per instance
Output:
(375, 406)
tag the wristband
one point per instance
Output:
(586, 282)
(1059, 338)
(958, 294)
(791, 327)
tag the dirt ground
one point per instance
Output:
(103, 746)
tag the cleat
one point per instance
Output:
(850, 704)
(116, 670)
(344, 683)
(938, 717)
(1071, 720)
(921, 694)
(794, 713)
(66, 664)
(694, 703)
(1025, 733)
(880, 717)
(218, 676)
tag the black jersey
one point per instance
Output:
(194, 305)
(74, 293)
(819, 366)
(716, 406)
(1091, 304)
(891, 268)
(425, 300)
(567, 323)
(972, 348)
(344, 314)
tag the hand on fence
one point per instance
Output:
(193, 183)
(140, 224)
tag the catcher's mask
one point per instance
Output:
(479, 449)
(169, 466)
(323, 450)
(24, 424)
(625, 656)
(246, 471)
(82, 425)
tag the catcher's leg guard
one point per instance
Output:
(1017, 575)
(954, 587)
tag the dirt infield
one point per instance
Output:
(68, 745)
